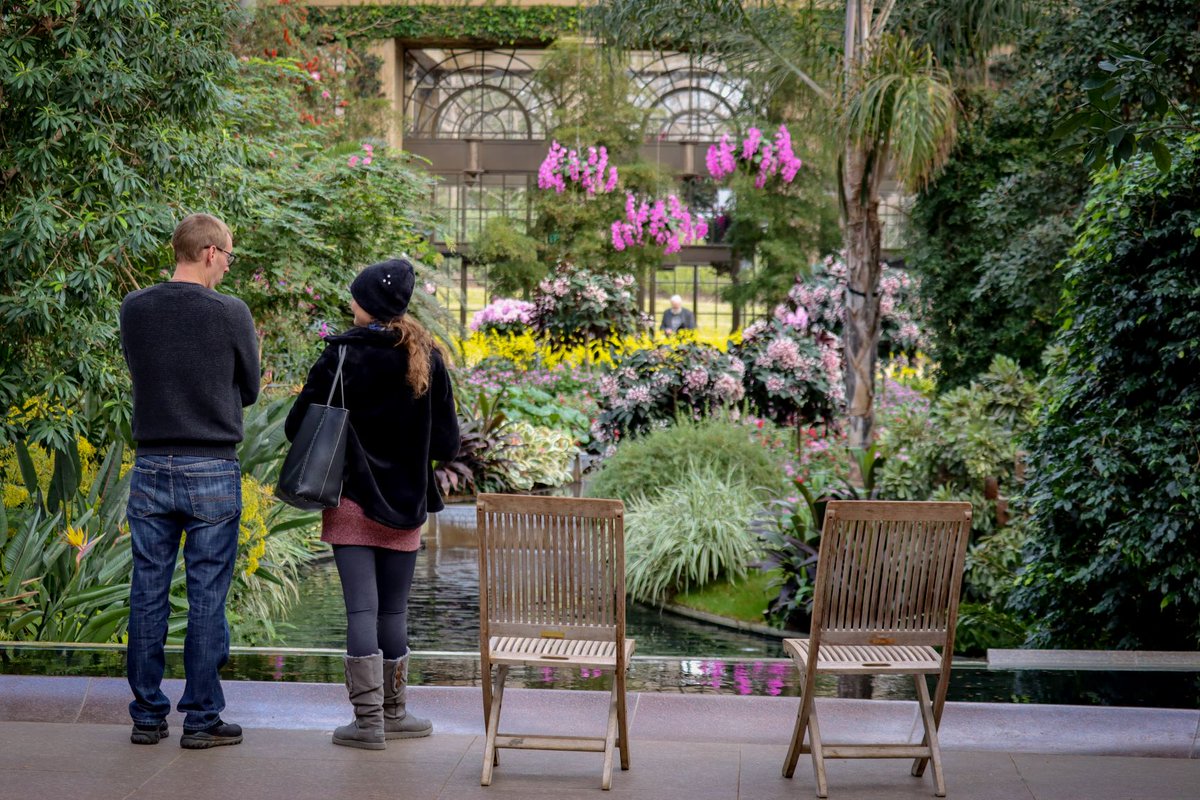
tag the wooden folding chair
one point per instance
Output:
(552, 594)
(886, 595)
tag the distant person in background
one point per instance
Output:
(677, 318)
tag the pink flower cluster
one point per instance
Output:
(503, 312)
(695, 379)
(669, 224)
(820, 300)
(594, 174)
(728, 388)
(760, 155)
(784, 353)
(353, 161)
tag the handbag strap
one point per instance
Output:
(337, 378)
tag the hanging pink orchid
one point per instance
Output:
(666, 223)
(594, 173)
(759, 155)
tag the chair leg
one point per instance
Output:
(818, 755)
(610, 738)
(797, 745)
(919, 764)
(489, 748)
(485, 674)
(939, 705)
(622, 721)
(930, 740)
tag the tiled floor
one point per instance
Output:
(67, 738)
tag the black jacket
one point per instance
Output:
(393, 435)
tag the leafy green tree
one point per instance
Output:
(878, 85)
(986, 237)
(510, 258)
(108, 112)
(988, 232)
(114, 126)
(1114, 559)
(308, 207)
(1134, 98)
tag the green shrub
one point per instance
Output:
(994, 560)
(993, 224)
(110, 125)
(65, 557)
(662, 459)
(982, 626)
(968, 435)
(1114, 491)
(690, 533)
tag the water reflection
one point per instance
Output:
(727, 676)
(444, 606)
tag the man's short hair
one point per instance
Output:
(196, 232)
(676, 298)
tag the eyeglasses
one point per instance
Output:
(230, 257)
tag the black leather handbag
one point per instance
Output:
(311, 476)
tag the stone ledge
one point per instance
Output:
(1149, 660)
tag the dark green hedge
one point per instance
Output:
(1114, 559)
(493, 24)
(986, 236)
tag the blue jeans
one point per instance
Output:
(169, 495)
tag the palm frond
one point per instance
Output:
(905, 106)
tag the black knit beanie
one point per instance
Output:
(384, 289)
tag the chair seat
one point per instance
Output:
(535, 651)
(844, 659)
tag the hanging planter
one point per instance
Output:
(758, 156)
(668, 224)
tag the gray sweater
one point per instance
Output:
(193, 356)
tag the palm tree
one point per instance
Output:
(886, 83)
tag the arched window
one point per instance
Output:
(473, 94)
(685, 98)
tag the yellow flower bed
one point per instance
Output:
(527, 352)
(916, 375)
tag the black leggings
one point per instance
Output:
(375, 584)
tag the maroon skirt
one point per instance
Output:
(347, 524)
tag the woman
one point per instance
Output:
(401, 415)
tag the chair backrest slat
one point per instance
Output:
(889, 572)
(551, 566)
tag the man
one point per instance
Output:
(193, 357)
(677, 318)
